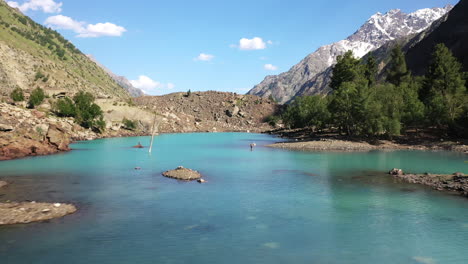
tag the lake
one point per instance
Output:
(261, 206)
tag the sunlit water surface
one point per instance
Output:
(265, 206)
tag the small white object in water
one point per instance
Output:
(424, 260)
(57, 205)
(272, 245)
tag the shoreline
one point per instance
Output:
(363, 146)
(455, 183)
(302, 141)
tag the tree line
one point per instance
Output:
(362, 105)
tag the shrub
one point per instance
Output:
(17, 95)
(65, 108)
(36, 98)
(129, 124)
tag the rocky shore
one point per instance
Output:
(303, 142)
(456, 182)
(28, 212)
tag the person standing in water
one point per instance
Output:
(252, 145)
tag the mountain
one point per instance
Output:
(32, 55)
(453, 32)
(121, 80)
(312, 74)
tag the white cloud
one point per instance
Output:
(47, 6)
(102, 30)
(64, 22)
(270, 67)
(204, 57)
(150, 86)
(252, 44)
(85, 30)
(270, 42)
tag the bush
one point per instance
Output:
(65, 108)
(37, 96)
(272, 120)
(88, 114)
(129, 124)
(17, 95)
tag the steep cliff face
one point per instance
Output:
(312, 74)
(453, 32)
(34, 56)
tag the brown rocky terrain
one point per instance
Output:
(28, 212)
(183, 174)
(456, 182)
(209, 112)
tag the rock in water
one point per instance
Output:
(3, 183)
(182, 173)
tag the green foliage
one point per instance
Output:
(307, 111)
(444, 90)
(397, 72)
(17, 95)
(347, 69)
(36, 98)
(360, 106)
(65, 107)
(129, 124)
(371, 70)
(272, 120)
(39, 76)
(88, 114)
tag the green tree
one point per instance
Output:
(347, 69)
(129, 124)
(307, 111)
(17, 95)
(36, 98)
(371, 70)
(88, 114)
(397, 72)
(65, 107)
(444, 90)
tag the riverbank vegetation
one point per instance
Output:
(361, 104)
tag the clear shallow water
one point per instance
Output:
(265, 206)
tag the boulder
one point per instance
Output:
(6, 128)
(3, 183)
(58, 138)
(182, 173)
(396, 172)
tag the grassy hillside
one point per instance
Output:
(32, 55)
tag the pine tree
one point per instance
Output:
(397, 72)
(346, 70)
(370, 70)
(444, 88)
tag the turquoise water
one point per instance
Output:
(265, 206)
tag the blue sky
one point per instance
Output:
(163, 40)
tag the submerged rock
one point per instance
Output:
(182, 173)
(28, 212)
(3, 183)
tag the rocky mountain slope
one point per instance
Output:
(453, 32)
(209, 112)
(312, 74)
(121, 80)
(34, 56)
